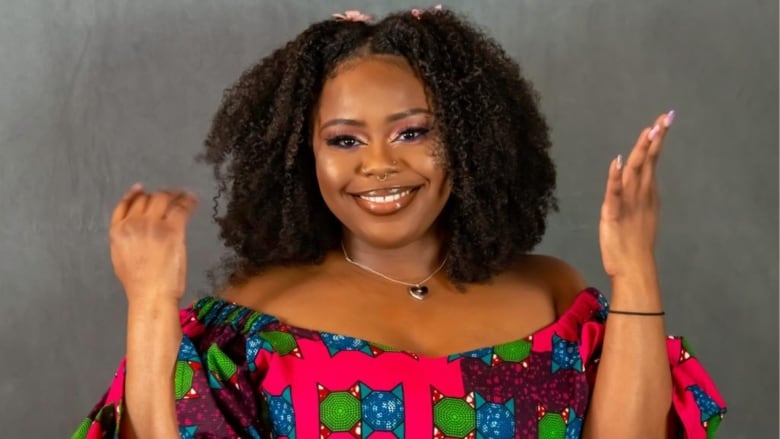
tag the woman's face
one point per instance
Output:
(377, 158)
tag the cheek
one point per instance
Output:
(430, 164)
(332, 172)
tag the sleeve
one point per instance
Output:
(698, 406)
(215, 390)
(696, 401)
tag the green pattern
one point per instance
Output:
(250, 321)
(81, 432)
(712, 426)
(340, 411)
(552, 426)
(282, 342)
(686, 346)
(385, 348)
(454, 417)
(203, 311)
(514, 352)
(182, 379)
(235, 315)
(218, 362)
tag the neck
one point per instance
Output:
(409, 262)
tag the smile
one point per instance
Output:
(386, 201)
(387, 198)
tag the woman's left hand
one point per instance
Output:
(629, 214)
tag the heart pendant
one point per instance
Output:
(418, 291)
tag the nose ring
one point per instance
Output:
(382, 178)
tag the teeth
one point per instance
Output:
(392, 191)
(388, 198)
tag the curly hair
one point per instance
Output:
(495, 140)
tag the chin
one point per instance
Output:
(386, 235)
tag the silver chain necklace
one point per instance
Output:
(416, 290)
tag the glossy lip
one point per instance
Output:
(383, 191)
(388, 208)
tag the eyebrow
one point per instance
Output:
(391, 118)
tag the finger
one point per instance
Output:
(636, 158)
(663, 121)
(159, 201)
(122, 208)
(181, 207)
(668, 118)
(138, 204)
(614, 190)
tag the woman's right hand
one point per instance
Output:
(148, 250)
(148, 245)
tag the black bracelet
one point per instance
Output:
(636, 313)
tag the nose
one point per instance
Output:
(378, 162)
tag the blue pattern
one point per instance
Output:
(603, 311)
(188, 432)
(187, 351)
(382, 411)
(706, 404)
(282, 414)
(484, 354)
(574, 426)
(259, 323)
(495, 421)
(566, 355)
(338, 343)
(254, 344)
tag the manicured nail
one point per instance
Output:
(136, 186)
(651, 135)
(669, 119)
(619, 162)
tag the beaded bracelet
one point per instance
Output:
(636, 313)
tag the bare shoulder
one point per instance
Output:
(556, 276)
(263, 290)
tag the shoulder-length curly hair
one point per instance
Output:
(495, 140)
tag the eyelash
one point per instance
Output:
(338, 141)
(418, 131)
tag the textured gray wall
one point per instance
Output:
(95, 95)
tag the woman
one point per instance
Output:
(385, 186)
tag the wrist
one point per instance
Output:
(153, 322)
(636, 293)
(635, 284)
(641, 274)
(151, 291)
(152, 303)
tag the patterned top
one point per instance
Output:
(245, 374)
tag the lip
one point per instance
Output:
(384, 191)
(389, 207)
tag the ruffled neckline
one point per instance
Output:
(213, 311)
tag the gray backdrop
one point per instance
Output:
(95, 95)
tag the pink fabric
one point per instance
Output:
(245, 374)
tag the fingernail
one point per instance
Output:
(136, 186)
(669, 119)
(619, 162)
(653, 132)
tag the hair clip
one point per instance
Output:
(353, 15)
(418, 13)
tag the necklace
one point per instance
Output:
(416, 290)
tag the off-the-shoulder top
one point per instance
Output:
(246, 374)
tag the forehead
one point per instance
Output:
(377, 83)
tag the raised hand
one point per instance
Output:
(629, 214)
(147, 237)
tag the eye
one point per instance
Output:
(411, 134)
(345, 142)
